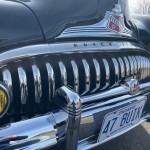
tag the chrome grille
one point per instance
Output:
(51, 80)
(87, 75)
(98, 73)
(76, 75)
(32, 81)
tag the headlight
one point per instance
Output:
(4, 100)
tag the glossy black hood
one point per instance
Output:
(24, 21)
(56, 15)
(18, 25)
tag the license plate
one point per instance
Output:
(121, 119)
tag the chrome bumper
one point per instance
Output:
(76, 123)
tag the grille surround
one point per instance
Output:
(33, 75)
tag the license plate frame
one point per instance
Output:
(109, 127)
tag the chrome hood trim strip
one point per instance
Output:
(79, 47)
(112, 25)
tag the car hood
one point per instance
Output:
(56, 16)
(18, 25)
(24, 21)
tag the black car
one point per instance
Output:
(73, 73)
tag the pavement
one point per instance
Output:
(136, 139)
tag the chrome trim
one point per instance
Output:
(65, 124)
(131, 65)
(138, 63)
(144, 69)
(36, 133)
(118, 91)
(107, 69)
(23, 85)
(63, 73)
(133, 85)
(107, 94)
(98, 73)
(99, 29)
(37, 83)
(148, 66)
(142, 72)
(86, 33)
(135, 65)
(145, 66)
(46, 131)
(34, 50)
(139, 67)
(87, 74)
(7, 79)
(51, 80)
(68, 100)
(76, 75)
(145, 86)
(122, 67)
(116, 66)
(127, 66)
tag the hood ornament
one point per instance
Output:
(115, 19)
(117, 9)
(111, 25)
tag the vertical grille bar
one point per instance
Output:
(135, 67)
(138, 62)
(98, 73)
(122, 67)
(139, 65)
(142, 68)
(76, 75)
(63, 73)
(146, 62)
(23, 85)
(37, 83)
(131, 65)
(107, 69)
(51, 80)
(143, 61)
(127, 66)
(116, 69)
(87, 75)
(7, 79)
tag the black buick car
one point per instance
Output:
(73, 73)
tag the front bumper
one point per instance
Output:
(76, 124)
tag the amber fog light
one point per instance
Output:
(4, 100)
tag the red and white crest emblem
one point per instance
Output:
(115, 19)
(116, 23)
